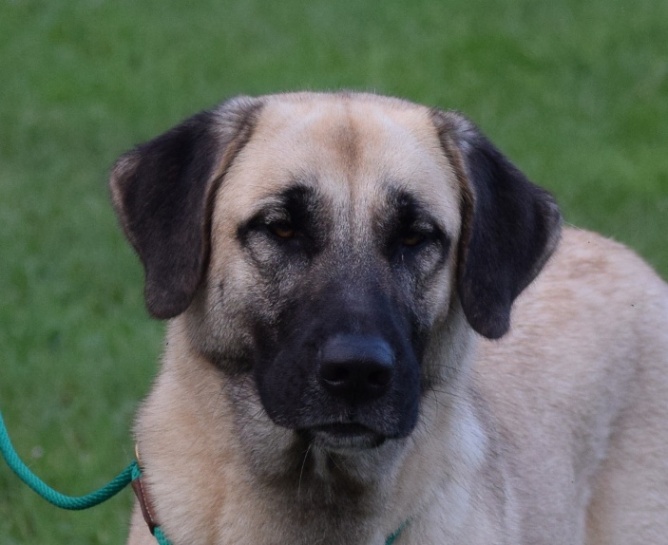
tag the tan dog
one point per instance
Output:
(341, 361)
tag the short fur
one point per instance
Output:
(375, 323)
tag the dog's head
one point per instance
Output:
(321, 244)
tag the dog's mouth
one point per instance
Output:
(343, 437)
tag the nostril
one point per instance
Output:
(356, 367)
(335, 372)
(379, 377)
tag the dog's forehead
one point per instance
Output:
(356, 149)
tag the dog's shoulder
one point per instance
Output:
(593, 309)
(590, 276)
(584, 362)
(579, 335)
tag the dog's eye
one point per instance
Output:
(415, 236)
(412, 239)
(418, 240)
(282, 229)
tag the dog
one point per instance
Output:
(379, 332)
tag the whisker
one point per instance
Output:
(301, 471)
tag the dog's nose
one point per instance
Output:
(355, 367)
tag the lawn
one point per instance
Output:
(576, 93)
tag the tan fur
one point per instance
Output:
(555, 434)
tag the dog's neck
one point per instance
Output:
(270, 486)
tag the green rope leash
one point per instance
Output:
(74, 503)
(390, 540)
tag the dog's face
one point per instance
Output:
(318, 245)
(349, 259)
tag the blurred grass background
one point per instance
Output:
(576, 93)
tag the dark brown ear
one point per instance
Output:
(510, 227)
(162, 191)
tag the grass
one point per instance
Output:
(575, 93)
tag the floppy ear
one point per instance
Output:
(510, 227)
(162, 192)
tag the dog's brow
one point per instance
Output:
(298, 194)
(298, 203)
(404, 207)
(294, 195)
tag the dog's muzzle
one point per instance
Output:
(347, 376)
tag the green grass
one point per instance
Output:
(575, 92)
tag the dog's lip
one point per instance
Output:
(343, 436)
(343, 429)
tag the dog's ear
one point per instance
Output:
(510, 227)
(162, 192)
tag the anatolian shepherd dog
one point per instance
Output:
(378, 334)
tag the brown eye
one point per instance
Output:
(412, 239)
(282, 229)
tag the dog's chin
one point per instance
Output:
(343, 438)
